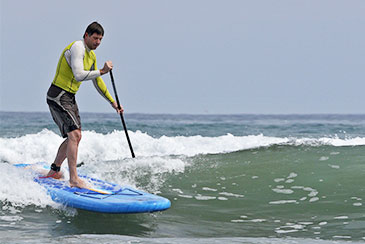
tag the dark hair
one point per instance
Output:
(94, 27)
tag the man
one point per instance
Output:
(76, 64)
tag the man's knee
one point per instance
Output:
(75, 135)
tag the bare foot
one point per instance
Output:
(54, 174)
(79, 183)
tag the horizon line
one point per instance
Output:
(197, 114)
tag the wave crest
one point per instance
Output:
(94, 146)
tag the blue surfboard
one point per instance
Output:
(103, 197)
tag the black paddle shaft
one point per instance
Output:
(121, 114)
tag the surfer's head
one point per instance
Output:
(94, 27)
(93, 35)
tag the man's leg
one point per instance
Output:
(74, 138)
(61, 156)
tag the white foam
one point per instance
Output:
(94, 146)
(178, 190)
(290, 227)
(30, 148)
(341, 217)
(283, 202)
(251, 220)
(305, 223)
(285, 231)
(185, 196)
(335, 141)
(132, 172)
(292, 175)
(283, 191)
(208, 189)
(279, 179)
(258, 220)
(314, 199)
(341, 237)
(204, 198)
(228, 194)
(222, 198)
(17, 189)
(11, 218)
(334, 166)
(356, 198)
(237, 221)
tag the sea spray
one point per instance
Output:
(147, 173)
(17, 189)
(95, 146)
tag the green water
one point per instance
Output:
(230, 179)
(277, 191)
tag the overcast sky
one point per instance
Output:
(193, 56)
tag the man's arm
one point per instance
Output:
(75, 58)
(101, 88)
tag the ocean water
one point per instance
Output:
(230, 178)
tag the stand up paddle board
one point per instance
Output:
(102, 197)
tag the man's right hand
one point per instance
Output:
(107, 67)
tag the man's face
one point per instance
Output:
(93, 41)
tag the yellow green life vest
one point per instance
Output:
(65, 78)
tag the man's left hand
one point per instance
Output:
(115, 106)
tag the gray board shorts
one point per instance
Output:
(64, 110)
